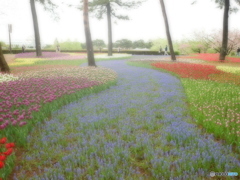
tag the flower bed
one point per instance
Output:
(49, 56)
(44, 55)
(7, 77)
(43, 86)
(215, 106)
(6, 149)
(18, 102)
(234, 70)
(212, 57)
(187, 70)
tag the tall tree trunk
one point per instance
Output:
(109, 29)
(173, 57)
(3, 64)
(36, 29)
(223, 51)
(9, 34)
(91, 61)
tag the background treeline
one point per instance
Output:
(198, 42)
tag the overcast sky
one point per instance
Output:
(146, 21)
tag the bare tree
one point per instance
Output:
(173, 57)
(36, 28)
(223, 51)
(3, 64)
(91, 61)
(49, 6)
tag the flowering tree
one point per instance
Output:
(226, 5)
(227, 9)
(185, 48)
(214, 40)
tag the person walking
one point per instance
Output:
(23, 48)
(166, 49)
(238, 51)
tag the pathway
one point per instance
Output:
(138, 129)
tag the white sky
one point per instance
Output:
(146, 21)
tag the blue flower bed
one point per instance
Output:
(138, 129)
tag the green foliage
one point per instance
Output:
(123, 43)
(83, 45)
(48, 5)
(232, 53)
(141, 44)
(16, 46)
(211, 51)
(99, 7)
(157, 43)
(48, 46)
(98, 43)
(149, 44)
(3, 44)
(70, 45)
(221, 4)
(177, 53)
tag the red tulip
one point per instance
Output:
(189, 70)
(2, 158)
(3, 140)
(10, 145)
(1, 164)
(8, 152)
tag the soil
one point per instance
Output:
(9, 58)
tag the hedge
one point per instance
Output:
(103, 51)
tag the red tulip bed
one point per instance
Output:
(212, 57)
(213, 97)
(33, 93)
(187, 70)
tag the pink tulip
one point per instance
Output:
(22, 123)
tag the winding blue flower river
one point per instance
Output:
(138, 129)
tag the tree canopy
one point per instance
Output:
(123, 43)
(98, 43)
(99, 7)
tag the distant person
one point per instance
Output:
(238, 51)
(23, 48)
(160, 50)
(58, 48)
(118, 49)
(166, 49)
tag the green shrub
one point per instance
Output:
(211, 51)
(177, 53)
(232, 54)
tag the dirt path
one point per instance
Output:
(9, 57)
